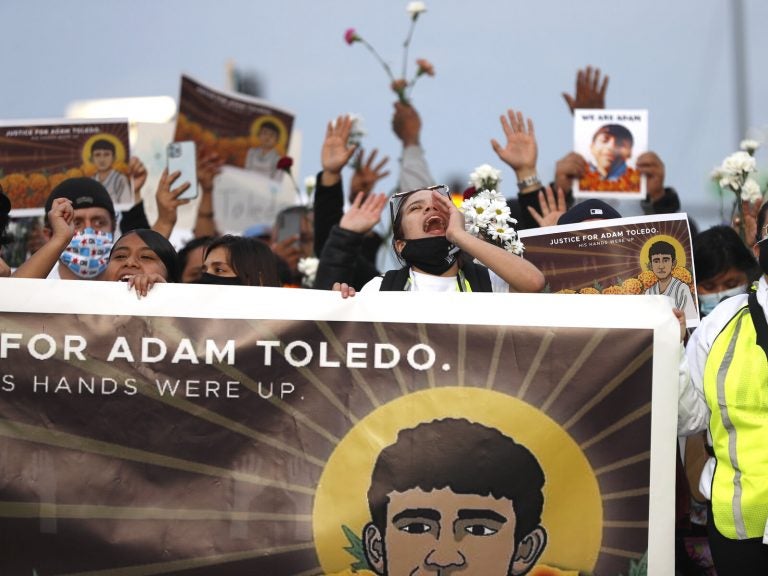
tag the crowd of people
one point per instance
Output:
(421, 244)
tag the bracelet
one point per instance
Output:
(205, 214)
(530, 181)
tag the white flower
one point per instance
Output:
(477, 209)
(472, 228)
(416, 8)
(750, 192)
(717, 174)
(738, 163)
(308, 268)
(310, 182)
(515, 247)
(499, 208)
(500, 231)
(749, 146)
(485, 177)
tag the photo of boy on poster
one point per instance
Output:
(611, 141)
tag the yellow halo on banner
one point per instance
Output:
(573, 511)
(679, 250)
(282, 138)
(119, 147)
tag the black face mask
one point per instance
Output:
(220, 280)
(433, 255)
(763, 257)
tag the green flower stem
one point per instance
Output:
(407, 44)
(372, 50)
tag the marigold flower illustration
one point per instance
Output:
(648, 278)
(682, 274)
(589, 290)
(632, 286)
(615, 289)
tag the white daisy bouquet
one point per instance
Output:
(486, 214)
(736, 174)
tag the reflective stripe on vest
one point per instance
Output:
(736, 390)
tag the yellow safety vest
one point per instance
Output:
(736, 391)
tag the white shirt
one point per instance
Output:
(421, 282)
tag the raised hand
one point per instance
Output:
(590, 92)
(650, 165)
(364, 213)
(551, 208)
(336, 151)
(520, 151)
(570, 167)
(367, 173)
(406, 124)
(138, 174)
(168, 202)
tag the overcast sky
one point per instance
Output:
(673, 58)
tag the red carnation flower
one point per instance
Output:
(285, 163)
(469, 192)
(350, 36)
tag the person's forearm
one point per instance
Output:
(40, 264)
(520, 274)
(205, 225)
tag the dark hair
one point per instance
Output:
(662, 247)
(5, 219)
(761, 220)
(193, 244)
(269, 125)
(160, 245)
(619, 132)
(719, 248)
(103, 144)
(467, 458)
(251, 259)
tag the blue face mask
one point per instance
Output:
(707, 302)
(87, 254)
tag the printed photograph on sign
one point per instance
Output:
(251, 136)
(151, 440)
(635, 255)
(36, 156)
(610, 141)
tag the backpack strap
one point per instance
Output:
(758, 319)
(395, 280)
(478, 277)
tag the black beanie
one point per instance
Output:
(591, 209)
(84, 193)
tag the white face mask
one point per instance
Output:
(87, 254)
(707, 302)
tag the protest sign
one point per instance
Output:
(250, 136)
(635, 255)
(36, 155)
(610, 141)
(289, 432)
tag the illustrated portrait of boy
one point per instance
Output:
(453, 497)
(103, 156)
(662, 263)
(611, 148)
(264, 158)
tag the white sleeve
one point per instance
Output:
(693, 412)
(414, 171)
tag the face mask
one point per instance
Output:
(219, 280)
(433, 255)
(87, 254)
(707, 302)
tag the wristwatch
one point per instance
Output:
(528, 182)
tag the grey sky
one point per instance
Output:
(674, 58)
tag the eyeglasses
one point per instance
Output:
(398, 198)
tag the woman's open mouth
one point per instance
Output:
(434, 225)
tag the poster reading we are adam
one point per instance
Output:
(228, 430)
